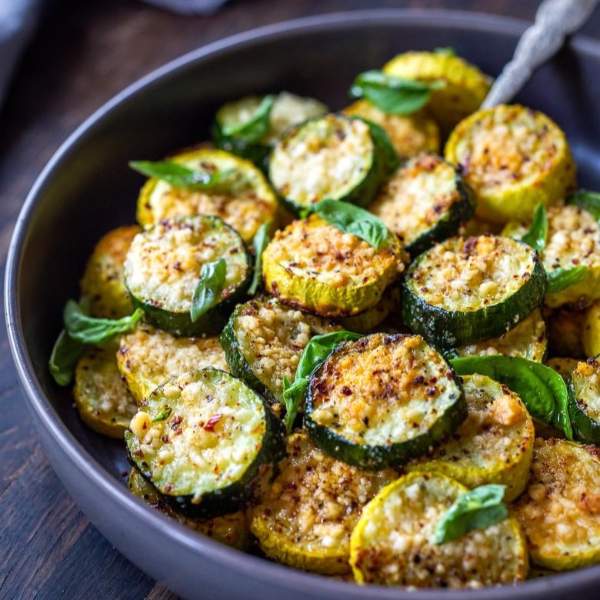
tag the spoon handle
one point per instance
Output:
(554, 20)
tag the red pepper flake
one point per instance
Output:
(212, 422)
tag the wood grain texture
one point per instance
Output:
(84, 53)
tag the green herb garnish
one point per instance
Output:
(256, 127)
(538, 230)
(260, 242)
(209, 288)
(64, 357)
(561, 279)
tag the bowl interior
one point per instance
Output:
(90, 188)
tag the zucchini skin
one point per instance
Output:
(586, 429)
(379, 456)
(448, 328)
(255, 152)
(233, 496)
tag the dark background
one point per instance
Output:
(83, 54)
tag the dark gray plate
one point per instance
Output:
(87, 188)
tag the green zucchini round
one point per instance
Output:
(335, 157)
(584, 406)
(163, 267)
(466, 290)
(263, 341)
(383, 400)
(424, 202)
(287, 110)
(201, 438)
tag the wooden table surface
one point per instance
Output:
(83, 54)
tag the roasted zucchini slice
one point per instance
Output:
(514, 158)
(584, 407)
(314, 266)
(567, 335)
(200, 439)
(424, 202)
(305, 518)
(393, 542)
(565, 366)
(101, 396)
(231, 529)
(163, 267)
(263, 342)
(147, 357)
(102, 284)
(409, 134)
(525, 340)
(493, 445)
(382, 400)
(466, 290)
(333, 157)
(560, 511)
(287, 110)
(591, 330)
(573, 240)
(245, 206)
(465, 86)
(370, 319)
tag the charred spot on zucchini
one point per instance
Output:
(244, 207)
(200, 439)
(305, 518)
(147, 357)
(559, 512)
(394, 540)
(584, 407)
(263, 342)
(267, 123)
(525, 340)
(101, 396)
(332, 157)
(382, 400)
(231, 529)
(424, 202)
(464, 85)
(163, 268)
(514, 158)
(102, 285)
(409, 134)
(464, 290)
(314, 266)
(493, 445)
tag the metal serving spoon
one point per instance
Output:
(554, 21)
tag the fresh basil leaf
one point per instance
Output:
(447, 50)
(542, 389)
(392, 95)
(587, 200)
(537, 234)
(384, 148)
(478, 508)
(209, 288)
(165, 413)
(314, 354)
(257, 126)
(561, 279)
(64, 357)
(91, 330)
(260, 242)
(350, 218)
(179, 175)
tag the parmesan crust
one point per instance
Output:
(586, 381)
(306, 517)
(470, 274)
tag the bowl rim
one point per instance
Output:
(244, 564)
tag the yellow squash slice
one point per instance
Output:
(560, 511)
(245, 207)
(231, 529)
(305, 518)
(314, 266)
(101, 396)
(392, 544)
(513, 158)
(465, 86)
(102, 283)
(147, 357)
(493, 445)
(591, 330)
(409, 134)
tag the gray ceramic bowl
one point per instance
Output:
(87, 188)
